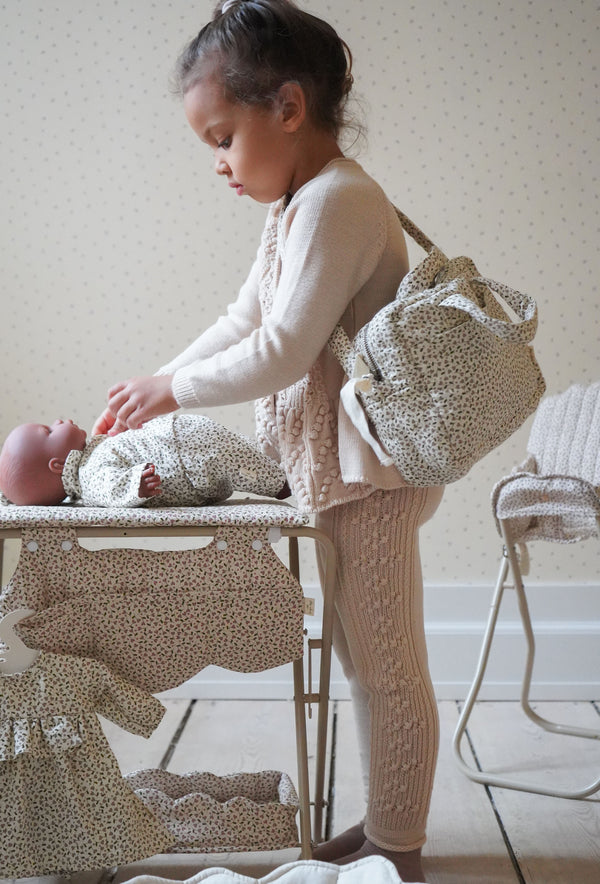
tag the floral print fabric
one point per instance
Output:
(158, 618)
(212, 814)
(555, 494)
(65, 806)
(198, 460)
(138, 620)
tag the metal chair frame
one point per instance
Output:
(510, 564)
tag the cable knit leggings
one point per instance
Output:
(379, 639)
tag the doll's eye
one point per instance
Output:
(225, 144)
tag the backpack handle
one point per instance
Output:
(521, 332)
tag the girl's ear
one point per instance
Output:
(292, 106)
(55, 465)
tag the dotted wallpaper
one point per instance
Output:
(120, 244)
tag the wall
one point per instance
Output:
(119, 243)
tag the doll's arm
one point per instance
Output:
(113, 482)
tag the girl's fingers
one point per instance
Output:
(116, 388)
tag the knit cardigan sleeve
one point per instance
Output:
(236, 324)
(329, 242)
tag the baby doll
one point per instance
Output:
(174, 460)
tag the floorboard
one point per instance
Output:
(134, 752)
(226, 737)
(464, 844)
(475, 835)
(554, 840)
(347, 792)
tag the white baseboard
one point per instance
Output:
(567, 632)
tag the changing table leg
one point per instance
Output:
(322, 697)
(324, 679)
(302, 755)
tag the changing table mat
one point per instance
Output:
(158, 618)
(231, 512)
(371, 870)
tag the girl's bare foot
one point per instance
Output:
(343, 844)
(407, 863)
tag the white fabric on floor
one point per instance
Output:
(371, 870)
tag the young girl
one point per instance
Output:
(265, 85)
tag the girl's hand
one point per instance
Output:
(134, 402)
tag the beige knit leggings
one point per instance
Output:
(379, 639)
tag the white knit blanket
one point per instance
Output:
(554, 494)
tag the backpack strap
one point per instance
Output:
(415, 232)
(341, 345)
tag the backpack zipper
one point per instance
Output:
(372, 362)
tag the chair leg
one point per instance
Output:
(546, 724)
(484, 654)
(510, 558)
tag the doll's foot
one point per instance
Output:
(284, 493)
(408, 863)
(343, 844)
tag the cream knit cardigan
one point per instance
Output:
(335, 252)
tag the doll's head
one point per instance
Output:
(32, 461)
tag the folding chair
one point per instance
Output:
(553, 496)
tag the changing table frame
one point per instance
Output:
(280, 518)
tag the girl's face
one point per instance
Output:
(254, 147)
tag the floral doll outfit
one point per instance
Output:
(199, 462)
(65, 806)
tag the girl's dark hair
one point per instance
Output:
(255, 46)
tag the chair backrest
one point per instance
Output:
(565, 436)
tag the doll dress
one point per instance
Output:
(65, 806)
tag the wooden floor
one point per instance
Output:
(478, 835)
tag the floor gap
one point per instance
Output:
(488, 791)
(331, 784)
(176, 736)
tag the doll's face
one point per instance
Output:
(48, 442)
(32, 460)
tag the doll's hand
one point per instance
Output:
(105, 422)
(149, 482)
(136, 401)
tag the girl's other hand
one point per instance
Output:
(136, 401)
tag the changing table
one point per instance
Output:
(242, 606)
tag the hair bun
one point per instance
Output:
(255, 46)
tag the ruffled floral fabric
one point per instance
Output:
(212, 814)
(64, 805)
(40, 737)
